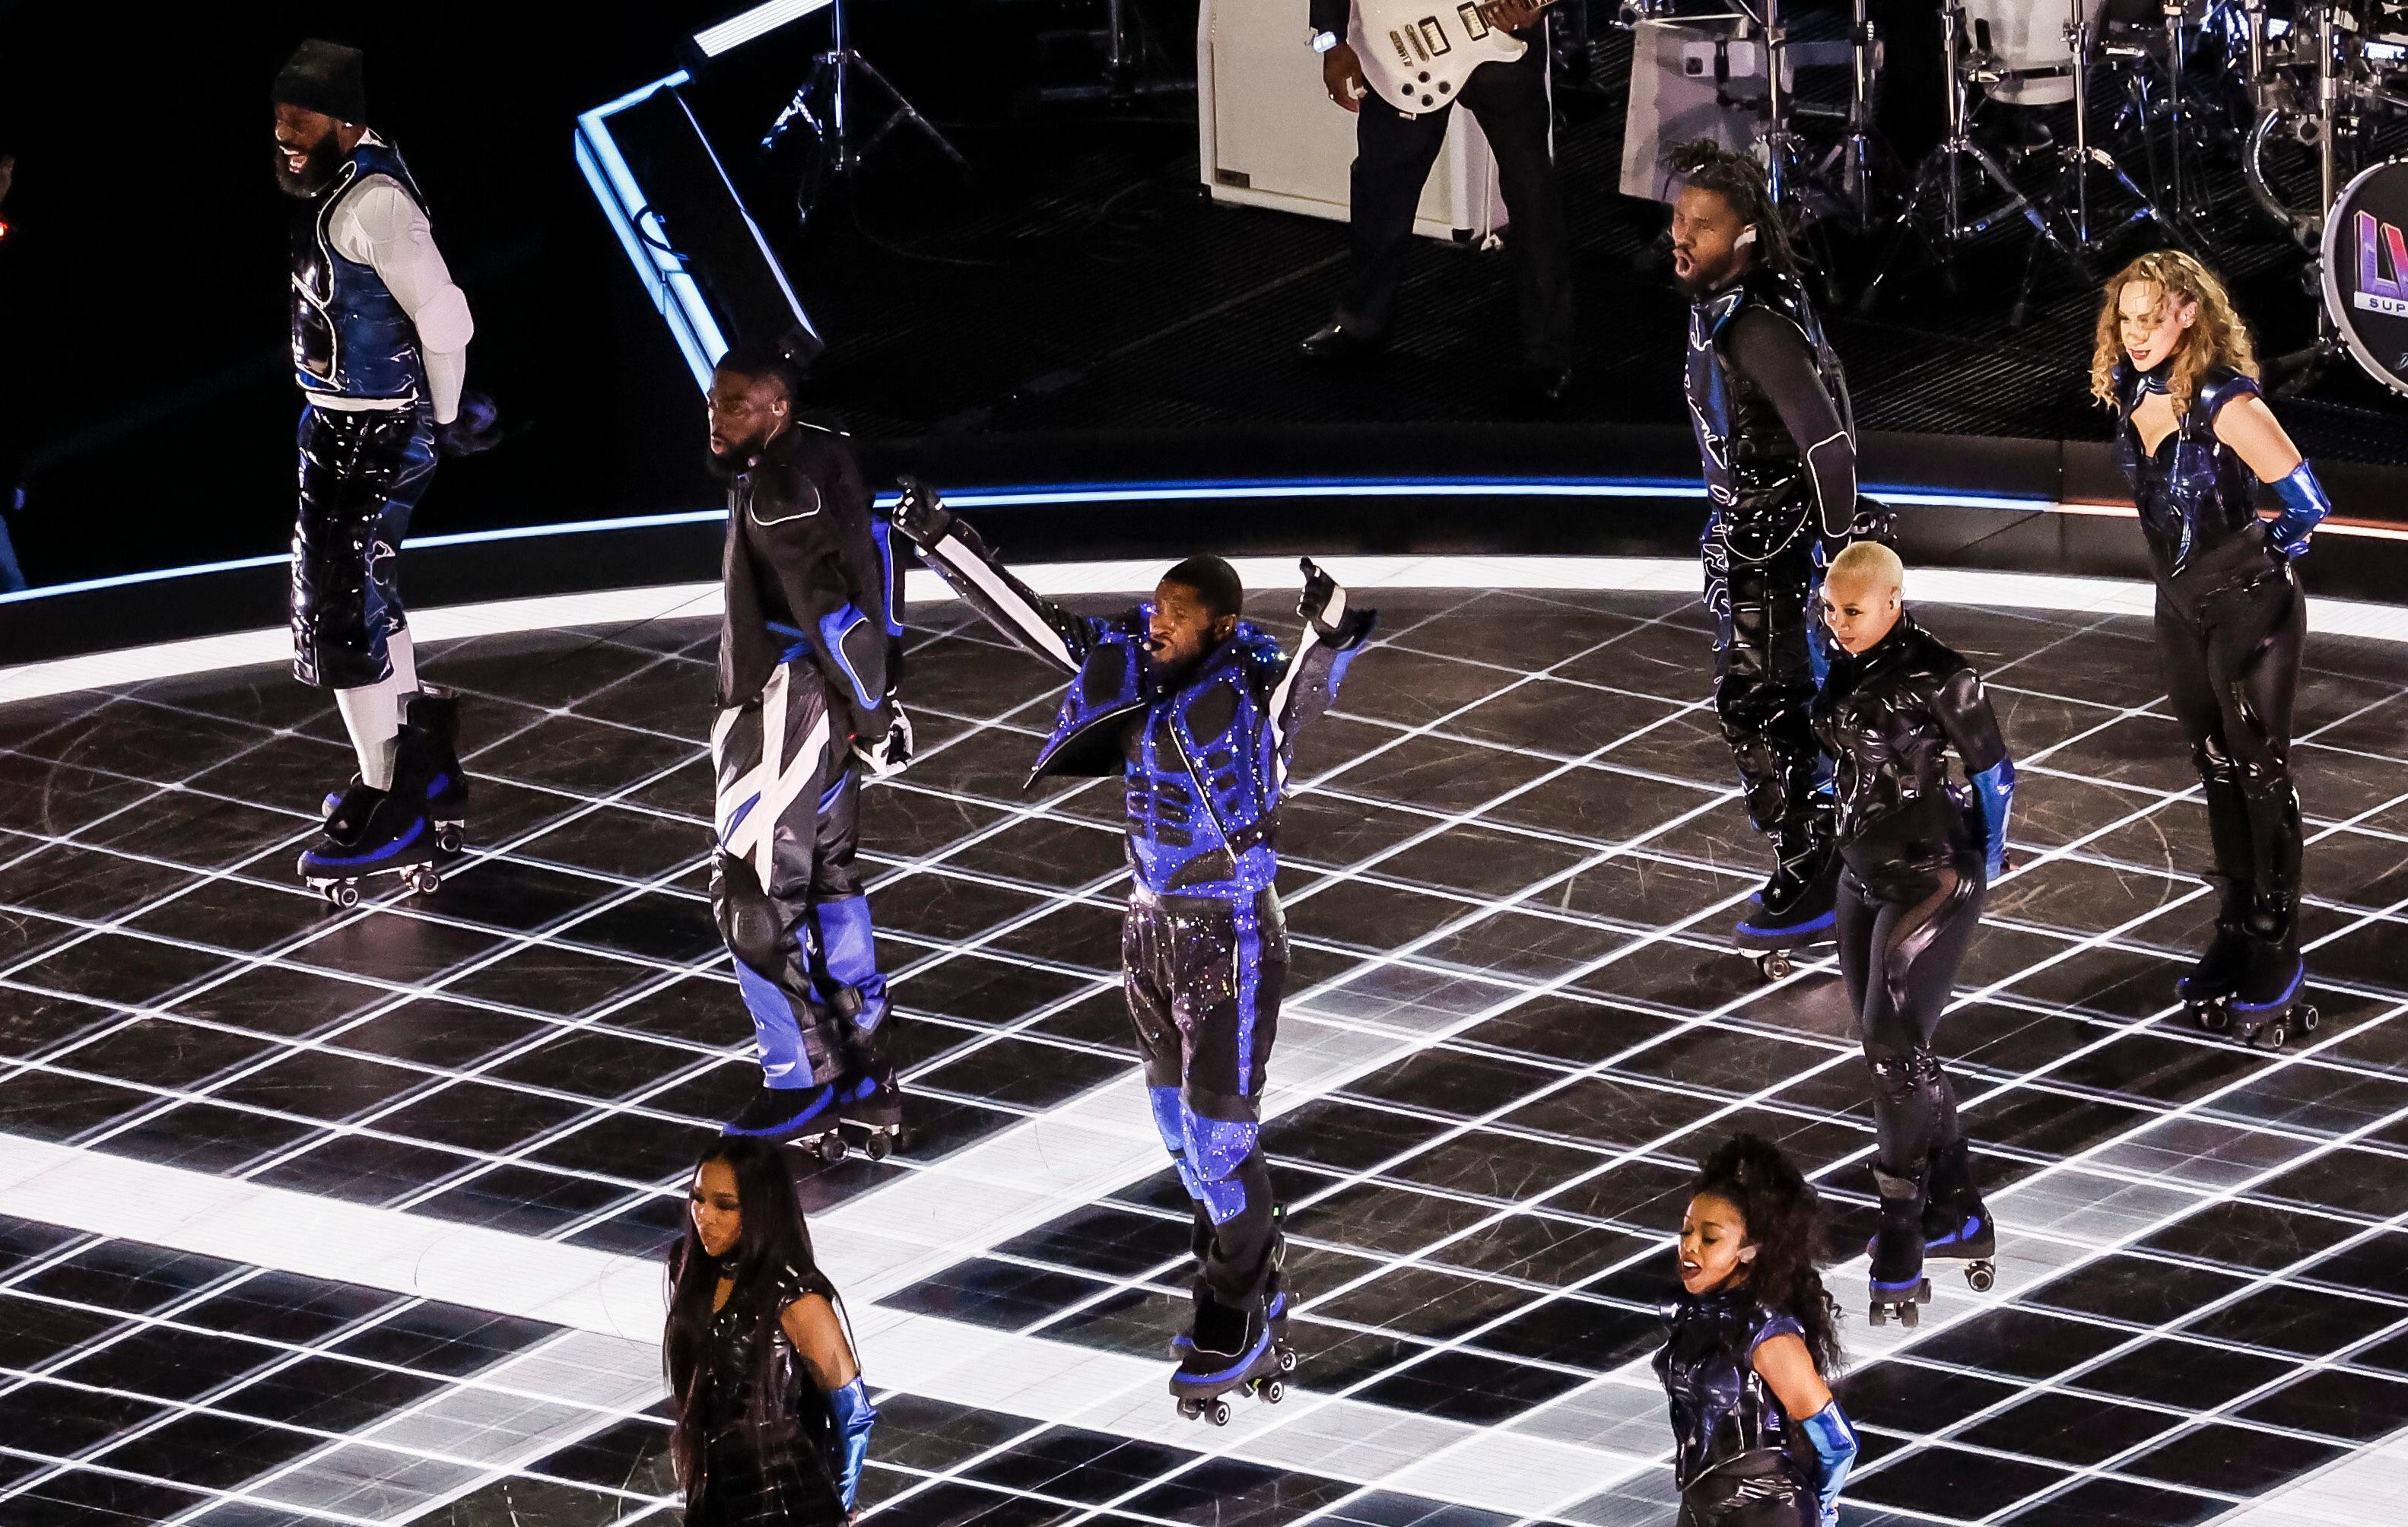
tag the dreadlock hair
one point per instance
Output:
(1784, 1217)
(1739, 179)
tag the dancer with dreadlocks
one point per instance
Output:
(2172, 358)
(1777, 438)
(1754, 1337)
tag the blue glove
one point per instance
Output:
(1834, 1442)
(1994, 791)
(850, 1410)
(2305, 508)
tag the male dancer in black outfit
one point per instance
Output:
(380, 349)
(809, 656)
(1394, 151)
(1777, 437)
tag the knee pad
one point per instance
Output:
(1899, 1075)
(1207, 1152)
(747, 919)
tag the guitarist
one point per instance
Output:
(1394, 151)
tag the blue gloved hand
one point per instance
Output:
(1994, 794)
(2305, 508)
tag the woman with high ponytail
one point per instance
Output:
(1754, 1335)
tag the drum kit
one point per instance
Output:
(2074, 120)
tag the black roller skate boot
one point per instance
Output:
(434, 716)
(1794, 909)
(370, 831)
(1956, 1225)
(1896, 1282)
(2266, 1008)
(432, 723)
(804, 1117)
(2206, 992)
(869, 1103)
(1229, 1350)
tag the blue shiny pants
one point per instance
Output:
(1203, 977)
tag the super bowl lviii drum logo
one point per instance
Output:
(2366, 271)
(2379, 244)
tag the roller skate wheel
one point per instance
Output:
(1981, 1277)
(1878, 1314)
(425, 881)
(2273, 1035)
(1190, 1409)
(450, 838)
(829, 1147)
(2213, 1017)
(1286, 1359)
(1910, 1315)
(1218, 1412)
(344, 893)
(879, 1145)
(2308, 1017)
(1272, 1390)
(1774, 964)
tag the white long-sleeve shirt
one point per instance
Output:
(376, 224)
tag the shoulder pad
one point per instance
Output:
(2219, 385)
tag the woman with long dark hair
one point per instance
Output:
(2172, 358)
(772, 1419)
(1754, 1337)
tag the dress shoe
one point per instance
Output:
(1334, 343)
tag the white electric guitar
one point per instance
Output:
(1417, 54)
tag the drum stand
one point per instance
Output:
(1943, 169)
(2071, 195)
(842, 150)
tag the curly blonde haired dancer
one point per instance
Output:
(2195, 440)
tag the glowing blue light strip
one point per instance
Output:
(1133, 492)
(672, 290)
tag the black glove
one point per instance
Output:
(921, 514)
(1323, 604)
(473, 429)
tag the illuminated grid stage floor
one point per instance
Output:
(1512, 1029)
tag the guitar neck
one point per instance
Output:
(1487, 9)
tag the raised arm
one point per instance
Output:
(954, 552)
(1964, 711)
(1333, 633)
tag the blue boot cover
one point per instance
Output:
(1207, 1152)
(1835, 1451)
(851, 1417)
(850, 949)
(777, 1037)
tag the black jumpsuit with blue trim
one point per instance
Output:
(809, 653)
(1203, 756)
(1736, 1459)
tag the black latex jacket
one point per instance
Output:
(1768, 404)
(2195, 493)
(783, 1477)
(1888, 717)
(1721, 1407)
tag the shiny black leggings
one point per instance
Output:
(2228, 641)
(1900, 956)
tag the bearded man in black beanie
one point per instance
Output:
(379, 350)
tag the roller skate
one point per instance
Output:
(1896, 1283)
(432, 716)
(2208, 988)
(431, 726)
(1957, 1225)
(1793, 911)
(803, 1117)
(1231, 1350)
(2264, 1009)
(370, 831)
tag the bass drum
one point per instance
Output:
(2366, 271)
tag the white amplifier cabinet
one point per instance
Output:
(1268, 135)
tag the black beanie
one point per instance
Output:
(327, 78)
